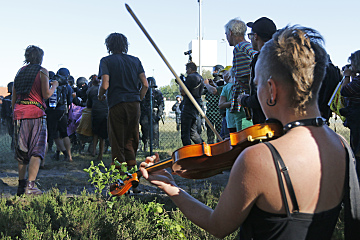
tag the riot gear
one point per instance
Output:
(10, 87)
(81, 81)
(63, 72)
(51, 75)
(216, 70)
(152, 82)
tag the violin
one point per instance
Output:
(203, 160)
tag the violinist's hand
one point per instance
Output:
(162, 178)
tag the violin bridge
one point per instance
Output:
(268, 135)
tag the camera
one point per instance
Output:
(182, 78)
(188, 52)
(61, 79)
(346, 66)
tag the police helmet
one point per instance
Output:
(10, 87)
(152, 82)
(81, 81)
(218, 68)
(71, 80)
(63, 72)
(51, 74)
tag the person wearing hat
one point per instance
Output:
(261, 32)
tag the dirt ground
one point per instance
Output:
(69, 177)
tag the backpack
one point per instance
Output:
(329, 83)
(61, 93)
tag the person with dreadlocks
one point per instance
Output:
(31, 87)
(123, 77)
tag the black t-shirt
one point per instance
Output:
(124, 83)
(98, 108)
(195, 84)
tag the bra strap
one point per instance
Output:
(277, 159)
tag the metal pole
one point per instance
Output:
(226, 53)
(224, 41)
(200, 36)
(187, 92)
(151, 120)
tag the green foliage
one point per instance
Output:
(170, 91)
(163, 220)
(206, 74)
(102, 177)
(55, 215)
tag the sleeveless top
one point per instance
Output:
(264, 225)
(22, 111)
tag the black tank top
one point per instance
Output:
(264, 225)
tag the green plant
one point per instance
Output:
(101, 176)
(162, 219)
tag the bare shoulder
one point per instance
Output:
(253, 156)
(252, 166)
(44, 71)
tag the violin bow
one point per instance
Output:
(187, 92)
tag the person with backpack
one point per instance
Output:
(57, 111)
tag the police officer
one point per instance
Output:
(177, 109)
(80, 97)
(6, 113)
(157, 112)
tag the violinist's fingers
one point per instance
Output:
(157, 158)
(150, 159)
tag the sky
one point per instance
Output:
(72, 33)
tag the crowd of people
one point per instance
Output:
(291, 187)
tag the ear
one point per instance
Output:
(273, 89)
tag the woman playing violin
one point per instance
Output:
(296, 191)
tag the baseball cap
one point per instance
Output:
(264, 27)
(227, 68)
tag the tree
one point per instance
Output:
(206, 74)
(170, 91)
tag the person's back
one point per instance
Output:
(305, 152)
(98, 107)
(123, 70)
(194, 83)
(291, 187)
(124, 85)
